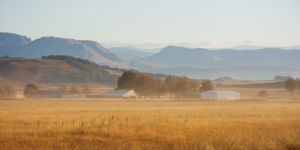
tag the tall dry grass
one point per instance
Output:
(120, 124)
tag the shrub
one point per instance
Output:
(263, 93)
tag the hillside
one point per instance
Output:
(18, 72)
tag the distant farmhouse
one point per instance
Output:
(126, 93)
(216, 94)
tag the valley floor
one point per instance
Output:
(148, 124)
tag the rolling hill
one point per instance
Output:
(18, 72)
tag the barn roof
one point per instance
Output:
(219, 91)
(116, 92)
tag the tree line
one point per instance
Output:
(147, 85)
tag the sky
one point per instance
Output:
(157, 23)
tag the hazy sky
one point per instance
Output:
(156, 23)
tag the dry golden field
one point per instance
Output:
(149, 124)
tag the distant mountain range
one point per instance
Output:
(20, 46)
(202, 63)
(183, 57)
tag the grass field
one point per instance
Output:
(150, 124)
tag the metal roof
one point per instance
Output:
(116, 92)
(219, 91)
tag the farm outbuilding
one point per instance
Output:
(119, 94)
(216, 94)
(46, 94)
(81, 95)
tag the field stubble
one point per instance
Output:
(121, 124)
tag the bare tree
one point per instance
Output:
(183, 84)
(74, 89)
(290, 85)
(171, 84)
(87, 89)
(63, 88)
(206, 86)
(263, 93)
(9, 92)
(195, 85)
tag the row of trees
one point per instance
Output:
(75, 89)
(7, 92)
(147, 85)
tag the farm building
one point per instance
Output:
(46, 94)
(215, 94)
(81, 95)
(119, 94)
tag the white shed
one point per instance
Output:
(216, 94)
(119, 94)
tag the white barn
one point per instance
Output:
(216, 94)
(119, 94)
